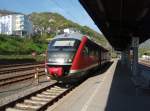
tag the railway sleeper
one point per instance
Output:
(45, 96)
(15, 109)
(57, 89)
(38, 101)
(34, 102)
(54, 91)
(41, 99)
(50, 93)
(27, 106)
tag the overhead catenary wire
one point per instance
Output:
(72, 3)
(82, 12)
(79, 6)
(66, 11)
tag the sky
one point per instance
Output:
(70, 9)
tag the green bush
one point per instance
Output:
(16, 45)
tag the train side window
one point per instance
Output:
(85, 51)
(91, 50)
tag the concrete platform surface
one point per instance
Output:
(112, 90)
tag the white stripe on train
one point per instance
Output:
(84, 69)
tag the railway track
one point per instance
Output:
(20, 73)
(19, 64)
(16, 79)
(19, 68)
(145, 62)
(40, 100)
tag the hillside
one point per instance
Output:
(145, 44)
(7, 12)
(10, 45)
(51, 23)
(145, 48)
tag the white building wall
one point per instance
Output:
(6, 24)
(0, 27)
(23, 24)
(15, 24)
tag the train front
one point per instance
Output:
(60, 56)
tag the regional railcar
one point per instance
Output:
(70, 56)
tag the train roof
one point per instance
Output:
(74, 35)
(78, 36)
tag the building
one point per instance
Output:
(7, 24)
(70, 30)
(23, 25)
(15, 24)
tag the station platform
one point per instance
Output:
(112, 90)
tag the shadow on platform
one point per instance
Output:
(122, 94)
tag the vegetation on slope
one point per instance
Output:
(144, 48)
(17, 45)
(51, 23)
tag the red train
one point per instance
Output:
(70, 56)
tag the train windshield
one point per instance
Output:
(62, 49)
(64, 44)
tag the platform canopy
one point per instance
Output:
(120, 20)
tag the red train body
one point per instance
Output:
(70, 57)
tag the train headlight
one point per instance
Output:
(69, 60)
